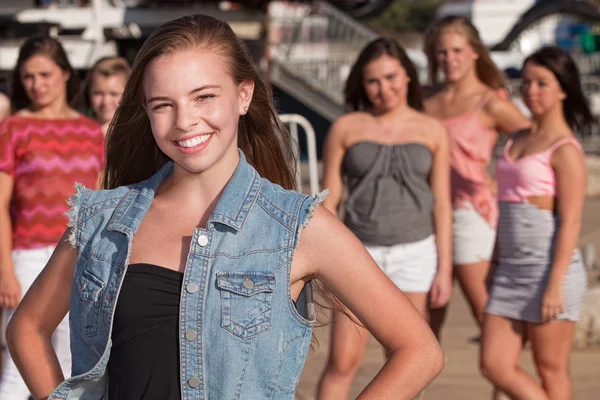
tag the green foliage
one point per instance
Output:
(588, 42)
(406, 16)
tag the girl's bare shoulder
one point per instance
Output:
(351, 124)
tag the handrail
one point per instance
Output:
(317, 43)
(293, 120)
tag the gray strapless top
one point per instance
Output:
(390, 201)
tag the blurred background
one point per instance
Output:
(306, 49)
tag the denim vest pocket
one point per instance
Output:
(246, 302)
(90, 290)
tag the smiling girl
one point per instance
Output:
(199, 250)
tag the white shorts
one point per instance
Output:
(473, 238)
(411, 266)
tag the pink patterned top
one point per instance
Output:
(471, 146)
(46, 158)
(531, 175)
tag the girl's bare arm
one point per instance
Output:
(29, 333)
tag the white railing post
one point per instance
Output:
(293, 120)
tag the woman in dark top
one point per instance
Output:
(394, 160)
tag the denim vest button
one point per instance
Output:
(202, 240)
(248, 284)
(191, 287)
(194, 382)
(190, 336)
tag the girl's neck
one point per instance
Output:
(465, 85)
(56, 110)
(550, 123)
(105, 127)
(395, 112)
(199, 190)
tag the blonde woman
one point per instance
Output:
(104, 87)
(472, 106)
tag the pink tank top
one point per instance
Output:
(471, 146)
(530, 175)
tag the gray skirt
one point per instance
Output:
(526, 236)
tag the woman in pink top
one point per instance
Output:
(472, 106)
(539, 278)
(45, 147)
(4, 106)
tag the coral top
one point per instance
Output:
(45, 159)
(471, 146)
(530, 175)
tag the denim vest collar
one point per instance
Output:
(230, 209)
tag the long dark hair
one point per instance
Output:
(51, 48)
(575, 108)
(486, 70)
(354, 92)
(132, 154)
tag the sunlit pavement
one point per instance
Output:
(461, 379)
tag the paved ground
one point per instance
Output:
(460, 379)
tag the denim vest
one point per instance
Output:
(240, 334)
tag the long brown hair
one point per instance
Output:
(355, 96)
(51, 48)
(132, 154)
(105, 68)
(576, 109)
(486, 70)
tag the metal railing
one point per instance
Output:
(587, 63)
(65, 3)
(317, 43)
(294, 121)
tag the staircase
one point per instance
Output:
(311, 50)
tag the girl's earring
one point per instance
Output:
(245, 108)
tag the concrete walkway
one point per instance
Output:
(460, 379)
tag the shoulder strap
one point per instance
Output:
(482, 101)
(507, 146)
(562, 141)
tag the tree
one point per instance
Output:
(406, 16)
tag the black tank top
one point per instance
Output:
(144, 359)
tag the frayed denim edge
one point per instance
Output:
(317, 199)
(72, 214)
